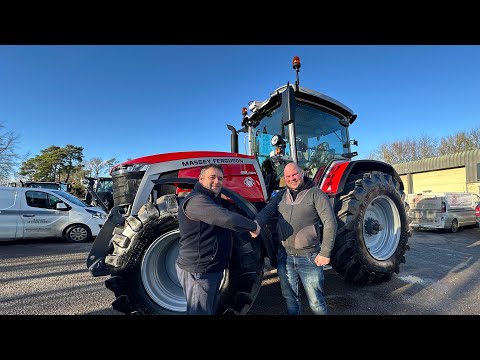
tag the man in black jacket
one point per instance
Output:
(206, 240)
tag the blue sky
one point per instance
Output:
(131, 101)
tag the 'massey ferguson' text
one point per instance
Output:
(211, 161)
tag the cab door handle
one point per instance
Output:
(28, 215)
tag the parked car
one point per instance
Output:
(41, 213)
(449, 210)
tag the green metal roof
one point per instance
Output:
(468, 159)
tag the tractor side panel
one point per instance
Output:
(240, 178)
(331, 180)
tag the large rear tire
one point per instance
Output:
(372, 231)
(144, 278)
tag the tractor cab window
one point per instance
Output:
(268, 127)
(105, 186)
(319, 137)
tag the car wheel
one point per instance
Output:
(454, 227)
(78, 233)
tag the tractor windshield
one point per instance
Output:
(319, 137)
(104, 185)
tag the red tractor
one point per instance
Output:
(138, 245)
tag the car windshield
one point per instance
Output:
(70, 198)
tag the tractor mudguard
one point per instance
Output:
(333, 180)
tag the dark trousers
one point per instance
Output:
(200, 290)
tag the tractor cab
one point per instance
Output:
(296, 124)
(99, 192)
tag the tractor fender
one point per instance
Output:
(335, 176)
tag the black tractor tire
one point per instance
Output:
(78, 233)
(372, 232)
(144, 278)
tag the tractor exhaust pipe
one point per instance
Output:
(233, 139)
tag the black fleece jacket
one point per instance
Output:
(205, 223)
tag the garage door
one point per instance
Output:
(440, 180)
(405, 183)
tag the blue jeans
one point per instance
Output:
(294, 268)
(200, 290)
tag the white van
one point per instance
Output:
(448, 210)
(28, 213)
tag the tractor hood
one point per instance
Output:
(161, 158)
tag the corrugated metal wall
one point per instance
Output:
(455, 172)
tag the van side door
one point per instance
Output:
(9, 213)
(40, 217)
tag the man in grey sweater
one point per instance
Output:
(306, 228)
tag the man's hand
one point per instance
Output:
(321, 260)
(255, 233)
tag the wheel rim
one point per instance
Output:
(159, 275)
(382, 228)
(78, 233)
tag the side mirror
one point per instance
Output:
(61, 206)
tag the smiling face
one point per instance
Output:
(212, 179)
(293, 176)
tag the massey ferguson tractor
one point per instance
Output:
(138, 245)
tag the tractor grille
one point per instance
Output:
(125, 186)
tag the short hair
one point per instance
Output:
(206, 167)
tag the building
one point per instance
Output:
(459, 172)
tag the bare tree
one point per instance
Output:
(475, 136)
(97, 166)
(426, 147)
(8, 154)
(460, 141)
(406, 150)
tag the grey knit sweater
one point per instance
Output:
(304, 222)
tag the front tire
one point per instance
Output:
(144, 278)
(372, 228)
(78, 233)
